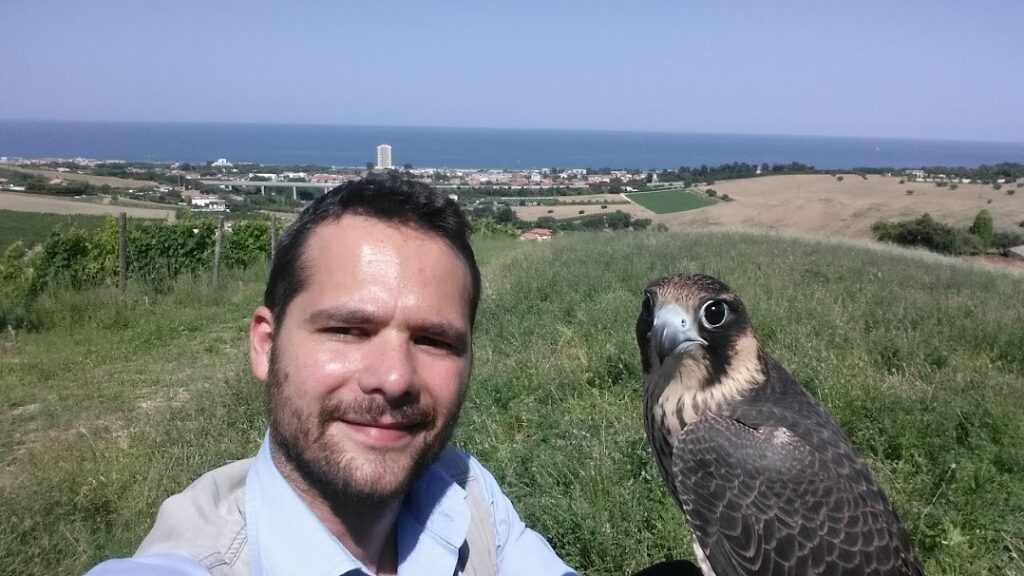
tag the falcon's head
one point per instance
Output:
(696, 340)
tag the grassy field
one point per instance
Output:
(119, 401)
(31, 227)
(668, 201)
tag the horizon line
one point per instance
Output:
(501, 129)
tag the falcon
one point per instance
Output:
(765, 476)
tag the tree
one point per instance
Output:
(547, 222)
(506, 215)
(983, 228)
(407, 166)
(370, 165)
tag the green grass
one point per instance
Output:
(667, 201)
(121, 401)
(32, 227)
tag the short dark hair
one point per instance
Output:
(391, 198)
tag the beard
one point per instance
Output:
(349, 475)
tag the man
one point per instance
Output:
(364, 343)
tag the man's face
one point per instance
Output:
(367, 372)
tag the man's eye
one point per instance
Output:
(437, 343)
(346, 331)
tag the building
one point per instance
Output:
(206, 203)
(383, 156)
(222, 163)
(537, 234)
(1017, 252)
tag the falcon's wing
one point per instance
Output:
(762, 502)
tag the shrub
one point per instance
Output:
(910, 192)
(903, 180)
(983, 228)
(1003, 240)
(1010, 192)
(954, 186)
(727, 198)
(604, 207)
(942, 184)
(551, 211)
(581, 211)
(839, 178)
(641, 223)
(711, 192)
(247, 244)
(927, 233)
(997, 186)
(15, 287)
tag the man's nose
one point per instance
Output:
(388, 369)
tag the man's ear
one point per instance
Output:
(261, 340)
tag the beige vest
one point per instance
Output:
(206, 521)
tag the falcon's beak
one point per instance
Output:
(673, 332)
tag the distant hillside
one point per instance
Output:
(823, 205)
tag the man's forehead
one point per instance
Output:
(355, 247)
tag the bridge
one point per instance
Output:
(264, 185)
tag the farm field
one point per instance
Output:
(572, 211)
(30, 228)
(117, 401)
(821, 205)
(94, 180)
(669, 201)
(22, 202)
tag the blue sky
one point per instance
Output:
(946, 70)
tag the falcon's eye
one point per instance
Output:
(714, 313)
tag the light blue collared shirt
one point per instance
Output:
(285, 537)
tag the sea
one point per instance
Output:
(474, 148)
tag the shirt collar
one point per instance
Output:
(285, 535)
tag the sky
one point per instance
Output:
(909, 69)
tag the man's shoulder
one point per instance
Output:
(463, 468)
(204, 521)
(153, 565)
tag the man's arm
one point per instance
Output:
(154, 565)
(520, 549)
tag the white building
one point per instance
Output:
(208, 203)
(222, 163)
(383, 156)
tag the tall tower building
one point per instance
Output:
(383, 156)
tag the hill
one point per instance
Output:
(821, 205)
(119, 401)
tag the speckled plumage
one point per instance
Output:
(767, 479)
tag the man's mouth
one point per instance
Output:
(382, 432)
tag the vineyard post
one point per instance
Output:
(122, 251)
(273, 236)
(216, 251)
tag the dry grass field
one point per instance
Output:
(568, 211)
(820, 205)
(94, 180)
(57, 205)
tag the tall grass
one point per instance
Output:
(120, 401)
